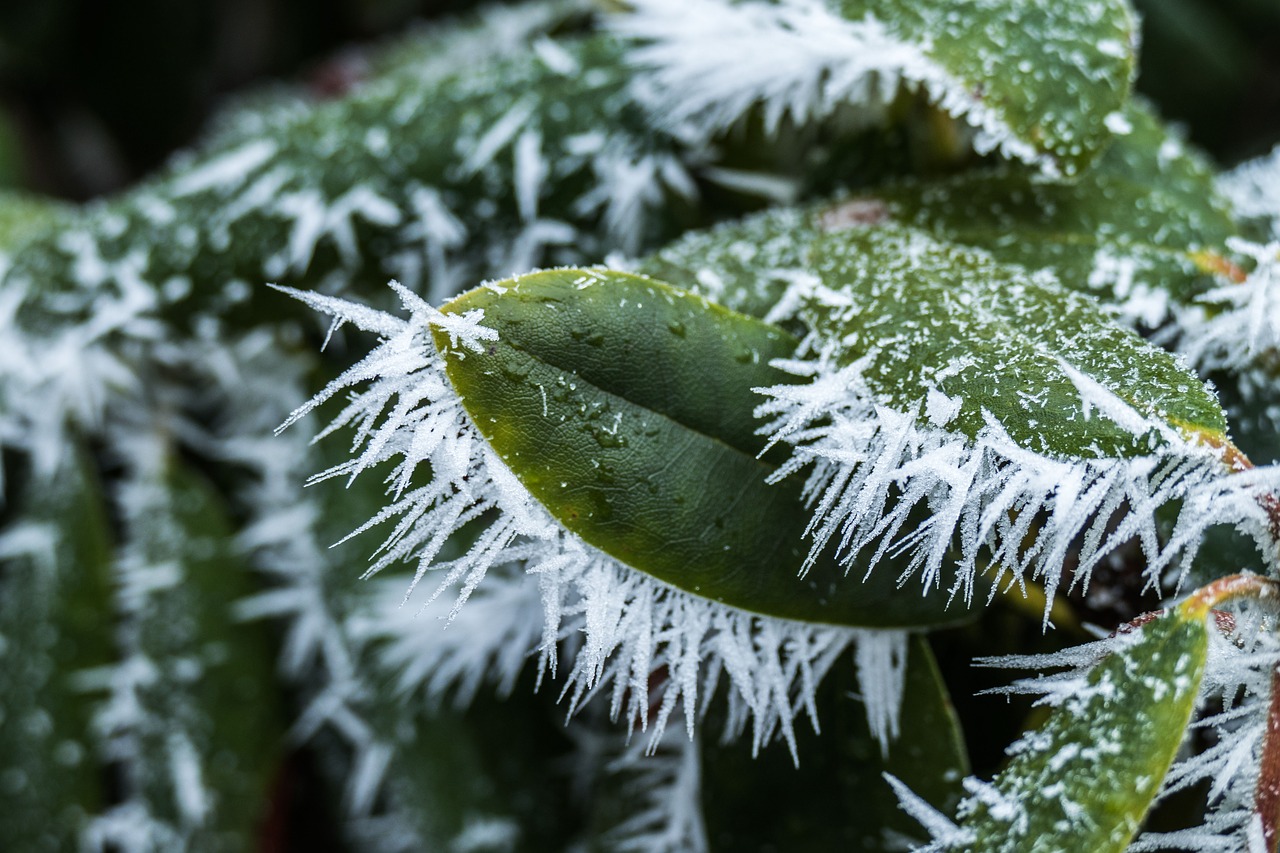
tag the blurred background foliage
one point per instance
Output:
(95, 95)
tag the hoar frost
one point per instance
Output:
(651, 648)
(807, 61)
(872, 468)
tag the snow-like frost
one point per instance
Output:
(1239, 679)
(707, 63)
(651, 648)
(942, 830)
(1253, 189)
(666, 788)
(129, 716)
(871, 467)
(1236, 323)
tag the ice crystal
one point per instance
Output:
(1253, 189)
(871, 467)
(53, 377)
(668, 788)
(942, 830)
(1237, 322)
(806, 62)
(1241, 674)
(650, 648)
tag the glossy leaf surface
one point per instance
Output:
(1057, 373)
(624, 406)
(1085, 779)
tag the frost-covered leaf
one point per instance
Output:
(997, 343)
(1015, 438)
(1041, 82)
(456, 511)
(193, 713)
(1234, 766)
(1085, 779)
(55, 623)
(1144, 229)
(533, 154)
(993, 395)
(624, 407)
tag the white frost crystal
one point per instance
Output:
(805, 62)
(651, 648)
(871, 467)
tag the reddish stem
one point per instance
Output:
(1266, 798)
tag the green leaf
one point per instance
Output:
(493, 765)
(998, 342)
(624, 406)
(1040, 81)
(837, 800)
(1086, 778)
(214, 703)
(431, 179)
(1146, 219)
(1052, 72)
(55, 623)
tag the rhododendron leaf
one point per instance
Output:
(966, 341)
(55, 622)
(624, 406)
(1040, 81)
(1086, 778)
(1143, 227)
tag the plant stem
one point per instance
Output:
(1266, 798)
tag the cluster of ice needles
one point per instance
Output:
(650, 648)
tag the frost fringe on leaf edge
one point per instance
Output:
(871, 466)
(627, 634)
(807, 61)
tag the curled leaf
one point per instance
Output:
(1041, 82)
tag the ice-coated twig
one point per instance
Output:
(871, 467)
(650, 648)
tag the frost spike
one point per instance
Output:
(629, 624)
(994, 395)
(1066, 69)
